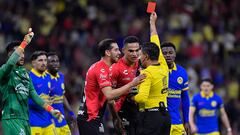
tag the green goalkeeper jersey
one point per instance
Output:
(16, 88)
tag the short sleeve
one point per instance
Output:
(194, 101)
(185, 81)
(220, 103)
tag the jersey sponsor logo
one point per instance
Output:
(102, 70)
(125, 72)
(180, 80)
(174, 93)
(21, 89)
(206, 113)
(103, 76)
(213, 103)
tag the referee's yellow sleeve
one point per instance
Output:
(144, 88)
(161, 59)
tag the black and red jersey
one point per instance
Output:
(94, 100)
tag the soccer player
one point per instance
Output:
(121, 73)
(177, 88)
(57, 93)
(152, 93)
(98, 89)
(40, 119)
(178, 96)
(204, 110)
(17, 89)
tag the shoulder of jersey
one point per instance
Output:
(60, 73)
(182, 69)
(217, 96)
(197, 95)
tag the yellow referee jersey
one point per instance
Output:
(154, 88)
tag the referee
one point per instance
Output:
(152, 94)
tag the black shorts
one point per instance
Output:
(92, 127)
(154, 123)
(129, 117)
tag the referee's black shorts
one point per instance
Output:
(129, 116)
(92, 127)
(154, 122)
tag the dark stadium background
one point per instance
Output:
(205, 32)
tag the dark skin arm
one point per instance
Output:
(117, 122)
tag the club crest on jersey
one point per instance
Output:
(213, 103)
(180, 80)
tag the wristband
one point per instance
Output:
(49, 108)
(229, 129)
(23, 44)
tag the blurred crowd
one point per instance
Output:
(206, 34)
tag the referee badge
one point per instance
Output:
(213, 103)
(180, 80)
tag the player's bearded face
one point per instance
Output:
(115, 53)
(132, 52)
(21, 60)
(40, 63)
(169, 54)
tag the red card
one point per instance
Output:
(151, 7)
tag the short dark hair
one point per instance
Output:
(206, 80)
(11, 45)
(151, 49)
(105, 45)
(168, 44)
(130, 39)
(52, 54)
(35, 54)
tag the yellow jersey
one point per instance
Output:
(154, 88)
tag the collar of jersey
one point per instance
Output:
(125, 62)
(52, 76)
(174, 67)
(206, 96)
(35, 72)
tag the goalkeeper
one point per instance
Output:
(16, 88)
